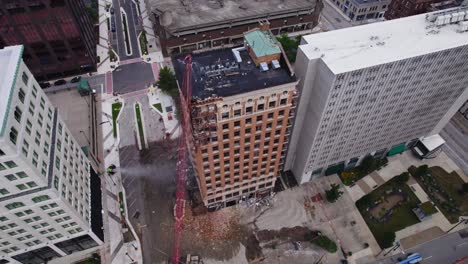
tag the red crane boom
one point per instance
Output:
(182, 162)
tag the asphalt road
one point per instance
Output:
(456, 146)
(444, 250)
(331, 18)
(128, 7)
(132, 77)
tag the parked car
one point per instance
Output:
(112, 10)
(44, 85)
(113, 27)
(75, 79)
(60, 82)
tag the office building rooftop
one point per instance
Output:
(228, 72)
(373, 44)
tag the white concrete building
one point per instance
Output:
(45, 197)
(375, 89)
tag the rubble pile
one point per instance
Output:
(216, 226)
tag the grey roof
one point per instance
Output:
(184, 14)
(233, 78)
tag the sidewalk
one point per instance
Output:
(103, 45)
(120, 249)
(171, 125)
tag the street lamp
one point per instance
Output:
(461, 221)
(126, 253)
(104, 122)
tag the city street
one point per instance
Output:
(456, 143)
(132, 77)
(130, 10)
(446, 249)
(331, 18)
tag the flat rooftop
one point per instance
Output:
(217, 73)
(378, 43)
(10, 57)
(178, 16)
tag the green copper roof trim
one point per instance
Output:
(10, 96)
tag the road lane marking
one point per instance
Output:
(427, 258)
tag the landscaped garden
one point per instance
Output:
(444, 189)
(158, 106)
(115, 113)
(388, 209)
(143, 43)
(368, 165)
(140, 125)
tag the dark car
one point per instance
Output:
(44, 85)
(75, 79)
(60, 82)
(112, 10)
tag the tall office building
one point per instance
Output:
(241, 106)
(375, 89)
(45, 198)
(58, 35)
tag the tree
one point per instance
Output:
(387, 239)
(364, 202)
(167, 82)
(402, 178)
(323, 242)
(290, 46)
(367, 165)
(465, 188)
(334, 193)
(421, 171)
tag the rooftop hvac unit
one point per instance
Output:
(263, 66)
(275, 64)
(463, 26)
(439, 20)
(447, 19)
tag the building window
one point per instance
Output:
(13, 135)
(260, 107)
(25, 78)
(283, 101)
(11, 164)
(14, 205)
(18, 114)
(21, 95)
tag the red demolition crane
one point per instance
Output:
(182, 162)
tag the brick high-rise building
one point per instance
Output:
(57, 35)
(241, 107)
(45, 178)
(376, 89)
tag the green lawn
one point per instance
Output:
(450, 183)
(115, 113)
(143, 43)
(401, 217)
(140, 125)
(158, 106)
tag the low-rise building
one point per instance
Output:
(363, 10)
(185, 25)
